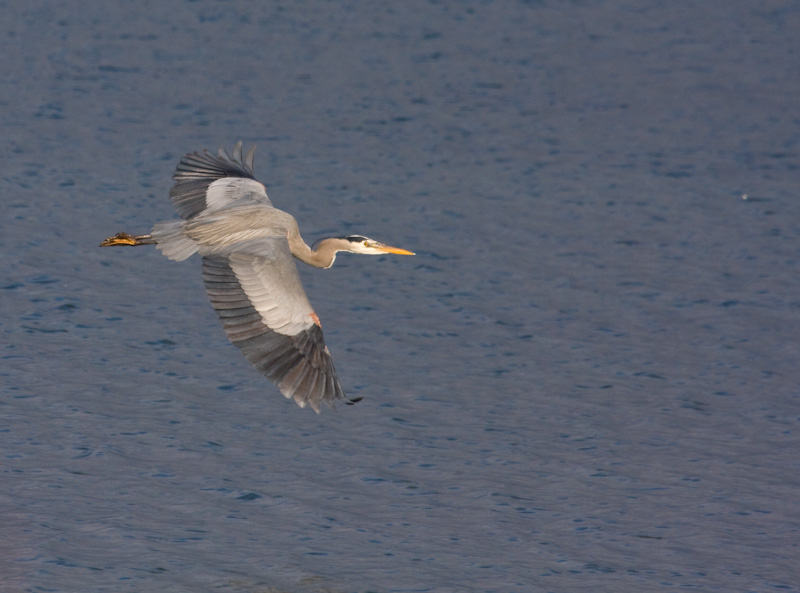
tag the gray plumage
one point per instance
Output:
(249, 273)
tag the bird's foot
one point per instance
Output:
(127, 239)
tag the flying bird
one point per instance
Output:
(248, 246)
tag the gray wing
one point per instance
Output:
(265, 312)
(203, 180)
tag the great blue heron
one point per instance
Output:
(247, 247)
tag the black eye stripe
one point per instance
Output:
(356, 239)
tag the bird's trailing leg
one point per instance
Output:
(127, 239)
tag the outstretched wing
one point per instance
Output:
(265, 312)
(213, 181)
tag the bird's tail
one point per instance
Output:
(171, 240)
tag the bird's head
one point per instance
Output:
(367, 246)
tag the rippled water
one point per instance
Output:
(587, 380)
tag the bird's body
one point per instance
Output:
(248, 246)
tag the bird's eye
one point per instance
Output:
(367, 244)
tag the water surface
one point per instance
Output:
(587, 380)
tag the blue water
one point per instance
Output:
(586, 380)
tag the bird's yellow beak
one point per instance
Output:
(395, 250)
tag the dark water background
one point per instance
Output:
(587, 380)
